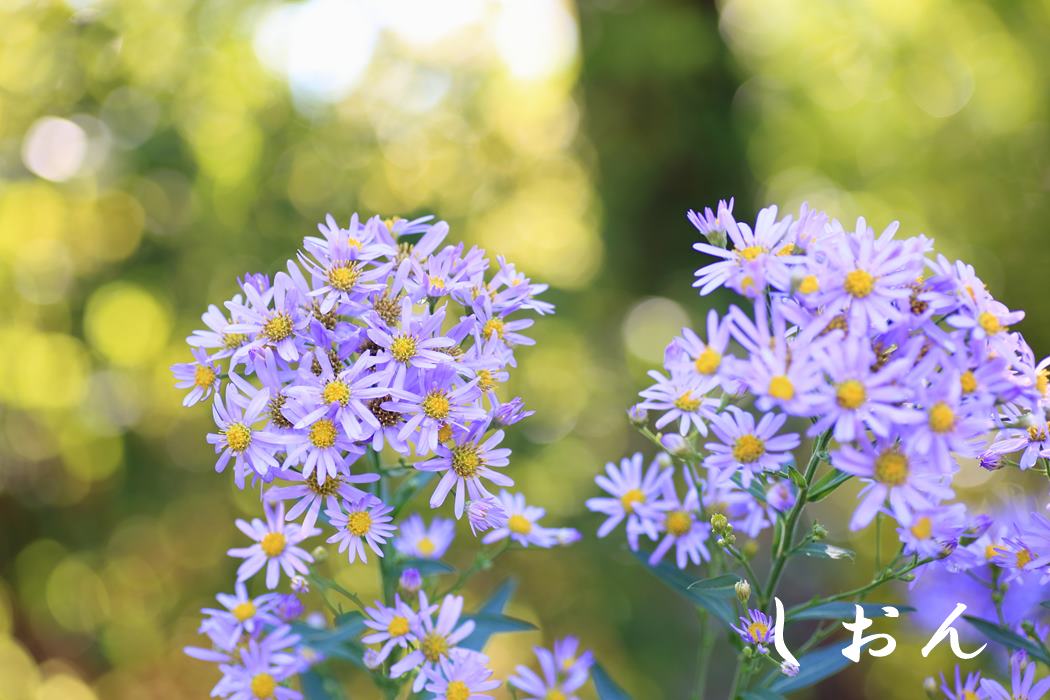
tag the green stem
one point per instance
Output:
(784, 544)
(707, 645)
(884, 577)
(482, 560)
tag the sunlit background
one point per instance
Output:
(152, 150)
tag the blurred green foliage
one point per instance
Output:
(151, 151)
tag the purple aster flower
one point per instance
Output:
(720, 494)
(949, 425)
(747, 446)
(366, 520)
(755, 257)
(312, 496)
(242, 614)
(436, 641)
(462, 675)
(250, 449)
(682, 399)
(343, 262)
(1030, 436)
(289, 607)
(713, 224)
(491, 324)
(510, 290)
(469, 458)
(318, 443)
(855, 398)
(416, 342)
(391, 627)
(963, 690)
(217, 337)
(275, 547)
(508, 413)
(867, 278)
(688, 355)
(410, 581)
(757, 629)
(417, 539)
(259, 675)
(438, 403)
(201, 377)
(485, 514)
(681, 526)
(273, 318)
(522, 523)
(781, 496)
(564, 671)
(632, 495)
(891, 473)
(933, 531)
(1022, 683)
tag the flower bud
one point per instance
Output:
(720, 524)
(675, 444)
(637, 415)
(750, 548)
(717, 238)
(819, 531)
(300, 585)
(930, 687)
(410, 581)
(991, 461)
(371, 659)
(789, 669)
(743, 591)
(319, 553)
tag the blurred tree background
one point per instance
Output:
(151, 151)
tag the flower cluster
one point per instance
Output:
(896, 365)
(377, 343)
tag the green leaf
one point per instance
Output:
(844, 611)
(339, 641)
(725, 581)
(318, 687)
(606, 686)
(813, 668)
(827, 484)
(499, 599)
(1008, 639)
(1045, 603)
(714, 601)
(487, 624)
(822, 550)
(761, 694)
(426, 567)
(754, 488)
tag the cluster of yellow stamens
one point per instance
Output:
(891, 468)
(359, 523)
(708, 361)
(323, 433)
(278, 327)
(751, 252)
(238, 436)
(273, 544)
(809, 285)
(403, 348)
(519, 524)
(942, 418)
(851, 394)
(244, 611)
(465, 459)
(686, 402)
(678, 522)
(344, 276)
(968, 381)
(494, 326)
(630, 498)
(436, 405)
(748, 448)
(923, 528)
(433, 646)
(859, 283)
(263, 686)
(336, 391)
(990, 323)
(204, 376)
(780, 387)
(398, 626)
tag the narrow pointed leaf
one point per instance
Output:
(606, 686)
(822, 550)
(486, 625)
(844, 611)
(1008, 639)
(426, 567)
(813, 668)
(725, 581)
(714, 601)
(827, 485)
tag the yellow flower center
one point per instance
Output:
(244, 611)
(630, 498)
(434, 646)
(1042, 381)
(323, 433)
(465, 460)
(748, 448)
(403, 348)
(457, 690)
(272, 544)
(278, 328)
(493, 325)
(436, 405)
(942, 418)
(751, 252)
(238, 437)
(780, 387)
(203, 376)
(263, 686)
(968, 382)
(486, 382)
(1023, 558)
(970, 695)
(398, 627)
(1037, 433)
(678, 522)
(859, 283)
(992, 551)
(851, 394)
(426, 546)
(708, 361)
(891, 468)
(808, 285)
(686, 402)
(336, 391)
(990, 323)
(436, 282)
(757, 630)
(555, 694)
(923, 528)
(519, 524)
(344, 277)
(359, 523)
(233, 340)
